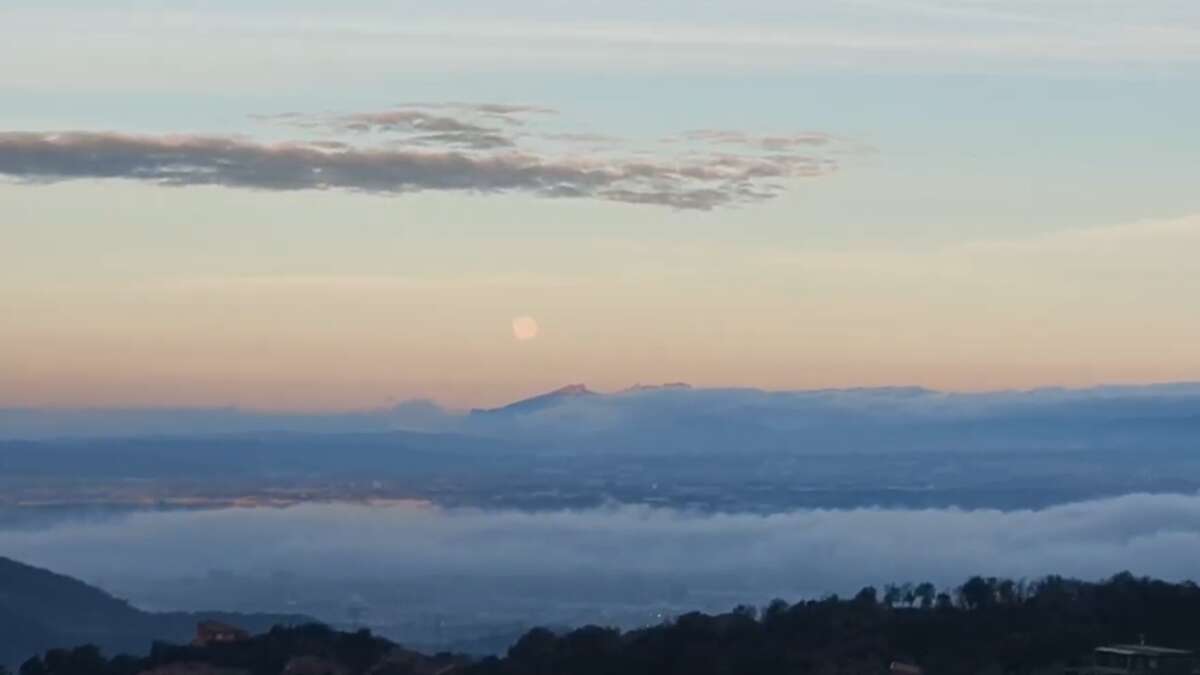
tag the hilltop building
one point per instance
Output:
(215, 632)
(1139, 659)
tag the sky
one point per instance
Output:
(316, 205)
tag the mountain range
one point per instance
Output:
(577, 409)
(671, 444)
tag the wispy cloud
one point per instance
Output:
(507, 112)
(476, 126)
(366, 43)
(481, 148)
(741, 138)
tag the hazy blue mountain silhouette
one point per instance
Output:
(41, 610)
(539, 402)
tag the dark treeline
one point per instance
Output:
(310, 648)
(984, 626)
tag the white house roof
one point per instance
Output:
(1142, 650)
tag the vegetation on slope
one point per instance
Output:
(984, 626)
(40, 610)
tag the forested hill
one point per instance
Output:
(40, 610)
(985, 626)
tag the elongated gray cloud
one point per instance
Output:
(450, 147)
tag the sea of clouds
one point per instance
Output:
(799, 552)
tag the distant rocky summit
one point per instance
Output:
(539, 402)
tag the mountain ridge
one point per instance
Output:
(41, 610)
(539, 401)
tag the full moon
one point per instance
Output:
(524, 328)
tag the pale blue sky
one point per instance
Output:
(964, 124)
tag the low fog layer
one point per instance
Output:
(801, 552)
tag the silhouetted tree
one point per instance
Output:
(774, 611)
(867, 596)
(1006, 592)
(926, 592)
(749, 611)
(534, 651)
(944, 601)
(34, 666)
(976, 593)
(891, 595)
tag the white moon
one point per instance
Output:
(525, 328)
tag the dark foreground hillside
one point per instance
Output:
(310, 649)
(985, 626)
(41, 610)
